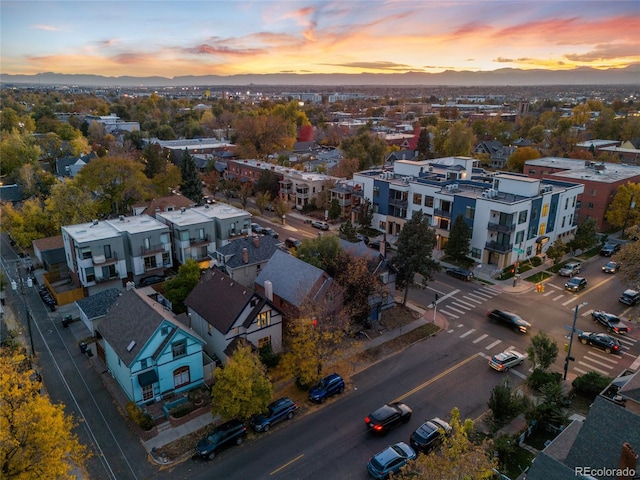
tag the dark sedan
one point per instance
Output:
(461, 273)
(509, 319)
(388, 417)
(600, 340)
(611, 267)
(610, 322)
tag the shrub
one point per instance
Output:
(502, 403)
(268, 357)
(143, 420)
(590, 384)
(181, 410)
(539, 378)
(535, 261)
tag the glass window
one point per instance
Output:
(563, 220)
(417, 199)
(90, 274)
(85, 253)
(428, 201)
(545, 210)
(166, 259)
(164, 238)
(519, 237)
(183, 235)
(147, 242)
(522, 217)
(179, 348)
(470, 213)
(542, 228)
(180, 377)
(201, 233)
(143, 363)
(264, 341)
(150, 262)
(107, 251)
(264, 319)
(476, 253)
(566, 203)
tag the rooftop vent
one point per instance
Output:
(131, 345)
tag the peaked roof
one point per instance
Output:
(293, 280)
(261, 253)
(49, 243)
(163, 203)
(98, 304)
(220, 300)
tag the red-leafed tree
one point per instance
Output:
(306, 133)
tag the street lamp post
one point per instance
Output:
(20, 283)
(573, 329)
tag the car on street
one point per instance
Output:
(461, 273)
(570, 269)
(509, 319)
(389, 460)
(610, 249)
(269, 207)
(375, 244)
(230, 433)
(429, 435)
(600, 340)
(326, 387)
(611, 267)
(611, 322)
(630, 297)
(387, 417)
(502, 362)
(151, 280)
(270, 231)
(278, 410)
(292, 242)
(320, 224)
(575, 284)
(256, 228)
(362, 238)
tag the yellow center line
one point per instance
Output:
(436, 378)
(287, 464)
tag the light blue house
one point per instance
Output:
(147, 351)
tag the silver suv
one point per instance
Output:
(320, 224)
(570, 269)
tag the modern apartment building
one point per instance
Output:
(103, 253)
(511, 216)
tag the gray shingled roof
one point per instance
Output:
(263, 252)
(219, 299)
(293, 280)
(98, 304)
(130, 319)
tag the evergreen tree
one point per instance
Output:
(586, 235)
(334, 209)
(155, 162)
(348, 232)
(365, 214)
(459, 239)
(415, 246)
(424, 143)
(191, 186)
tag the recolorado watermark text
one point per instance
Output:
(605, 472)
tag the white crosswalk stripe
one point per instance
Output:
(491, 345)
(461, 304)
(548, 293)
(489, 290)
(446, 312)
(461, 312)
(469, 299)
(467, 333)
(480, 338)
(627, 341)
(558, 298)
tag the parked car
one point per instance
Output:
(611, 267)
(630, 297)
(576, 284)
(387, 417)
(326, 387)
(151, 280)
(461, 273)
(610, 249)
(230, 433)
(502, 362)
(269, 207)
(609, 321)
(389, 460)
(270, 231)
(600, 340)
(320, 224)
(429, 435)
(509, 319)
(375, 244)
(362, 238)
(256, 228)
(278, 410)
(570, 269)
(292, 242)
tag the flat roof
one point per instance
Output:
(188, 216)
(580, 169)
(137, 224)
(91, 231)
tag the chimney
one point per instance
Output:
(628, 463)
(268, 290)
(245, 255)
(256, 241)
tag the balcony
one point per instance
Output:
(498, 227)
(159, 248)
(499, 247)
(441, 213)
(102, 261)
(194, 242)
(398, 202)
(302, 193)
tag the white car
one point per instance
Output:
(505, 360)
(320, 224)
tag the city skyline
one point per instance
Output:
(169, 39)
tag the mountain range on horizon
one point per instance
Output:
(502, 77)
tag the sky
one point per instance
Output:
(176, 38)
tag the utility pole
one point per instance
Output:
(573, 329)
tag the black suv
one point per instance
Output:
(576, 284)
(610, 249)
(610, 322)
(509, 319)
(276, 411)
(232, 432)
(461, 273)
(429, 435)
(329, 385)
(387, 417)
(630, 297)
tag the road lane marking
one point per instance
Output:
(450, 294)
(436, 378)
(629, 341)
(449, 313)
(602, 364)
(558, 298)
(548, 293)
(603, 372)
(287, 464)
(575, 297)
(602, 357)
(489, 290)
(469, 299)
(459, 304)
(554, 286)
(456, 310)
(489, 347)
(587, 313)
(466, 334)
(480, 338)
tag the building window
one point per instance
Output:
(109, 271)
(264, 342)
(179, 348)
(147, 243)
(164, 331)
(181, 377)
(107, 251)
(563, 220)
(532, 172)
(147, 393)
(143, 363)
(470, 213)
(417, 199)
(529, 249)
(183, 235)
(164, 238)
(85, 253)
(545, 210)
(428, 201)
(264, 319)
(566, 203)
(376, 191)
(542, 228)
(573, 204)
(382, 226)
(90, 274)
(522, 217)
(589, 205)
(150, 262)
(593, 193)
(166, 259)
(476, 253)
(519, 237)
(209, 329)
(201, 233)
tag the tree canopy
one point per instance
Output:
(586, 235)
(459, 239)
(191, 186)
(321, 251)
(242, 387)
(178, 288)
(36, 436)
(629, 258)
(542, 351)
(623, 210)
(415, 247)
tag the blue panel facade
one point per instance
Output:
(459, 207)
(534, 217)
(553, 212)
(382, 200)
